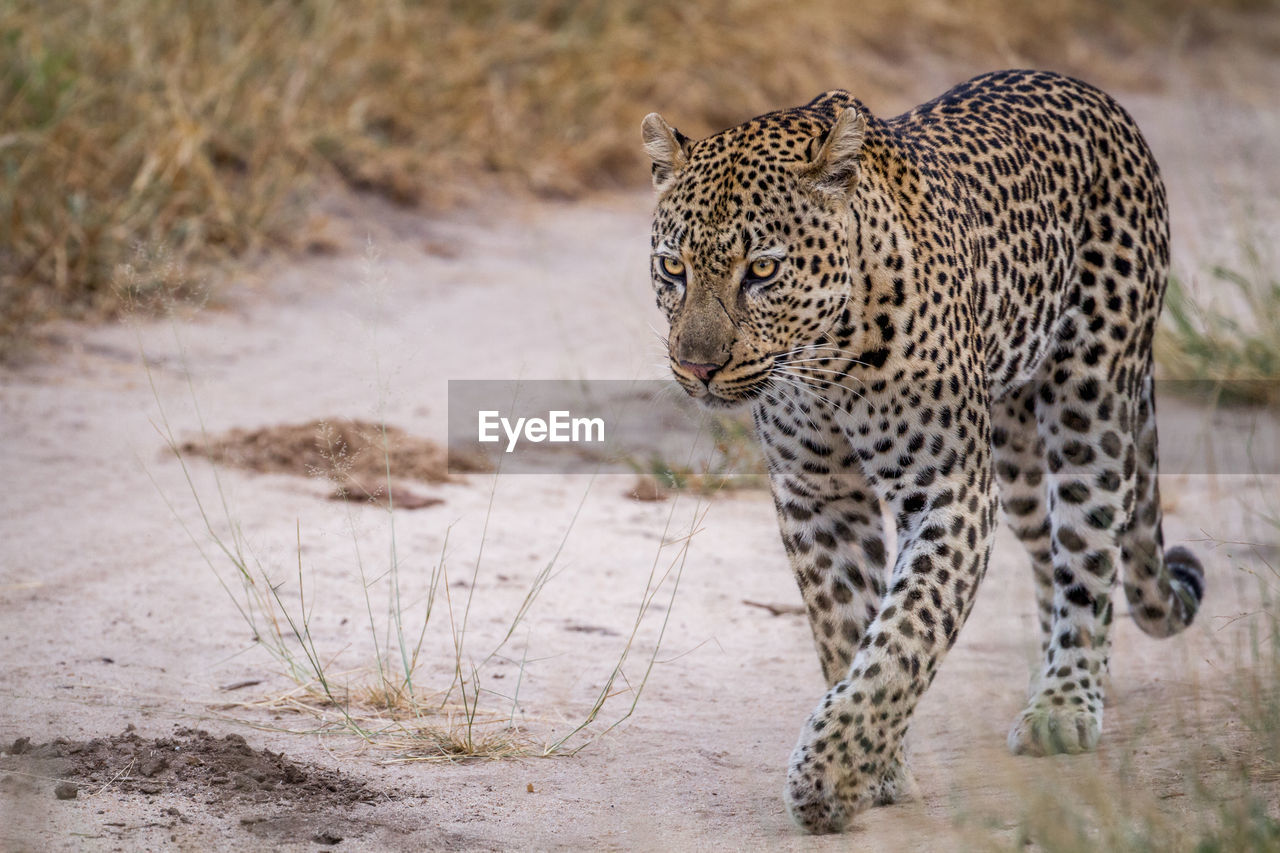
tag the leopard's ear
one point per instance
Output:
(833, 156)
(668, 148)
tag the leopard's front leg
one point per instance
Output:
(833, 532)
(945, 506)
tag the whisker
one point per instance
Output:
(819, 358)
(795, 406)
(827, 358)
(800, 381)
(807, 411)
(839, 373)
(815, 347)
(825, 365)
(804, 373)
(816, 355)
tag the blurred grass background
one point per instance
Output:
(140, 139)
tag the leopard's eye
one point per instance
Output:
(673, 267)
(762, 269)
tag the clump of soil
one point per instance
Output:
(353, 455)
(396, 497)
(646, 488)
(192, 763)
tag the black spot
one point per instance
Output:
(1072, 419)
(1108, 480)
(1070, 540)
(876, 357)
(1079, 596)
(1021, 506)
(1101, 517)
(886, 327)
(1073, 492)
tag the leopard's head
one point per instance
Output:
(750, 242)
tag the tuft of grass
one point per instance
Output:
(734, 462)
(392, 703)
(408, 698)
(205, 126)
(1233, 341)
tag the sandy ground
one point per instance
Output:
(118, 637)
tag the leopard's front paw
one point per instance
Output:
(838, 770)
(811, 793)
(1047, 729)
(826, 788)
(821, 803)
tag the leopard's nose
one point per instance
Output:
(702, 371)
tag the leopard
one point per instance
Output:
(933, 319)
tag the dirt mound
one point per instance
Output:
(191, 762)
(284, 799)
(353, 455)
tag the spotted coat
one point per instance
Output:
(928, 316)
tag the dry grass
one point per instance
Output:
(734, 461)
(407, 699)
(1217, 789)
(1233, 349)
(400, 701)
(197, 130)
(1200, 774)
(423, 727)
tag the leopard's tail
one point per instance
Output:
(1164, 588)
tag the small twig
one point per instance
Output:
(252, 682)
(776, 609)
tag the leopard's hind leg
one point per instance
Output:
(1099, 441)
(1089, 493)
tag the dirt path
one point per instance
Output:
(118, 638)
